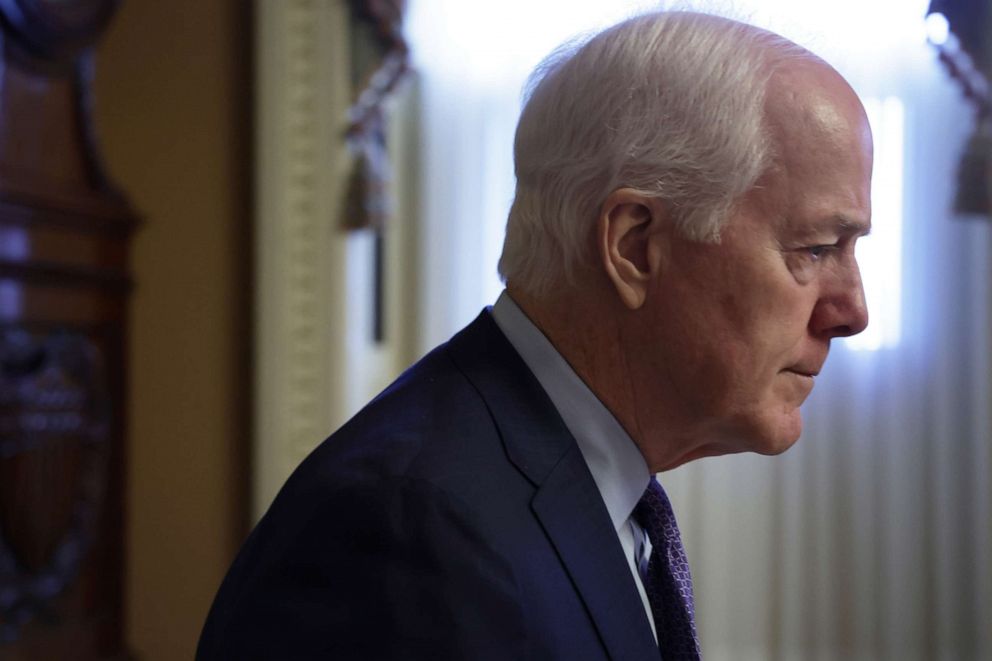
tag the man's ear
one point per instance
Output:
(628, 232)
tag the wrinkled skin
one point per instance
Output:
(734, 333)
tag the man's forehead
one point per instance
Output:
(810, 103)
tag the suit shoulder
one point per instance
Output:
(384, 569)
(430, 414)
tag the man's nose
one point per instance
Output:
(841, 310)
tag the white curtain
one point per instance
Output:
(872, 538)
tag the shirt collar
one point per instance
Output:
(616, 464)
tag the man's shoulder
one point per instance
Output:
(364, 565)
(419, 511)
(429, 406)
(433, 423)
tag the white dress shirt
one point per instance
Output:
(616, 464)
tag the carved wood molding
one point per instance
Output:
(64, 279)
(54, 422)
(302, 99)
(316, 359)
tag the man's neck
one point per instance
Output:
(589, 334)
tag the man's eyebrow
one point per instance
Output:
(844, 224)
(839, 224)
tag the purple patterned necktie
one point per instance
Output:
(668, 584)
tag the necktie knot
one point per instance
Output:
(668, 583)
(654, 513)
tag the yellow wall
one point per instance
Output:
(173, 103)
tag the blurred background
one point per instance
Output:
(301, 243)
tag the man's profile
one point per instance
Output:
(679, 255)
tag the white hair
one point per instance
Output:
(670, 104)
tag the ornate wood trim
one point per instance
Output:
(316, 359)
(303, 95)
(55, 412)
(64, 280)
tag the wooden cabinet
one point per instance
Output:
(64, 281)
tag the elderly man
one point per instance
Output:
(679, 254)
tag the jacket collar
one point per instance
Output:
(566, 500)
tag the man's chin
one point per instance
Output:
(764, 440)
(765, 436)
(782, 436)
(777, 446)
(772, 436)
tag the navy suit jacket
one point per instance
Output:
(452, 518)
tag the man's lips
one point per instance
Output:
(808, 366)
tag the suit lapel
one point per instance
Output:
(567, 501)
(575, 518)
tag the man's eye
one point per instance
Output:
(816, 252)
